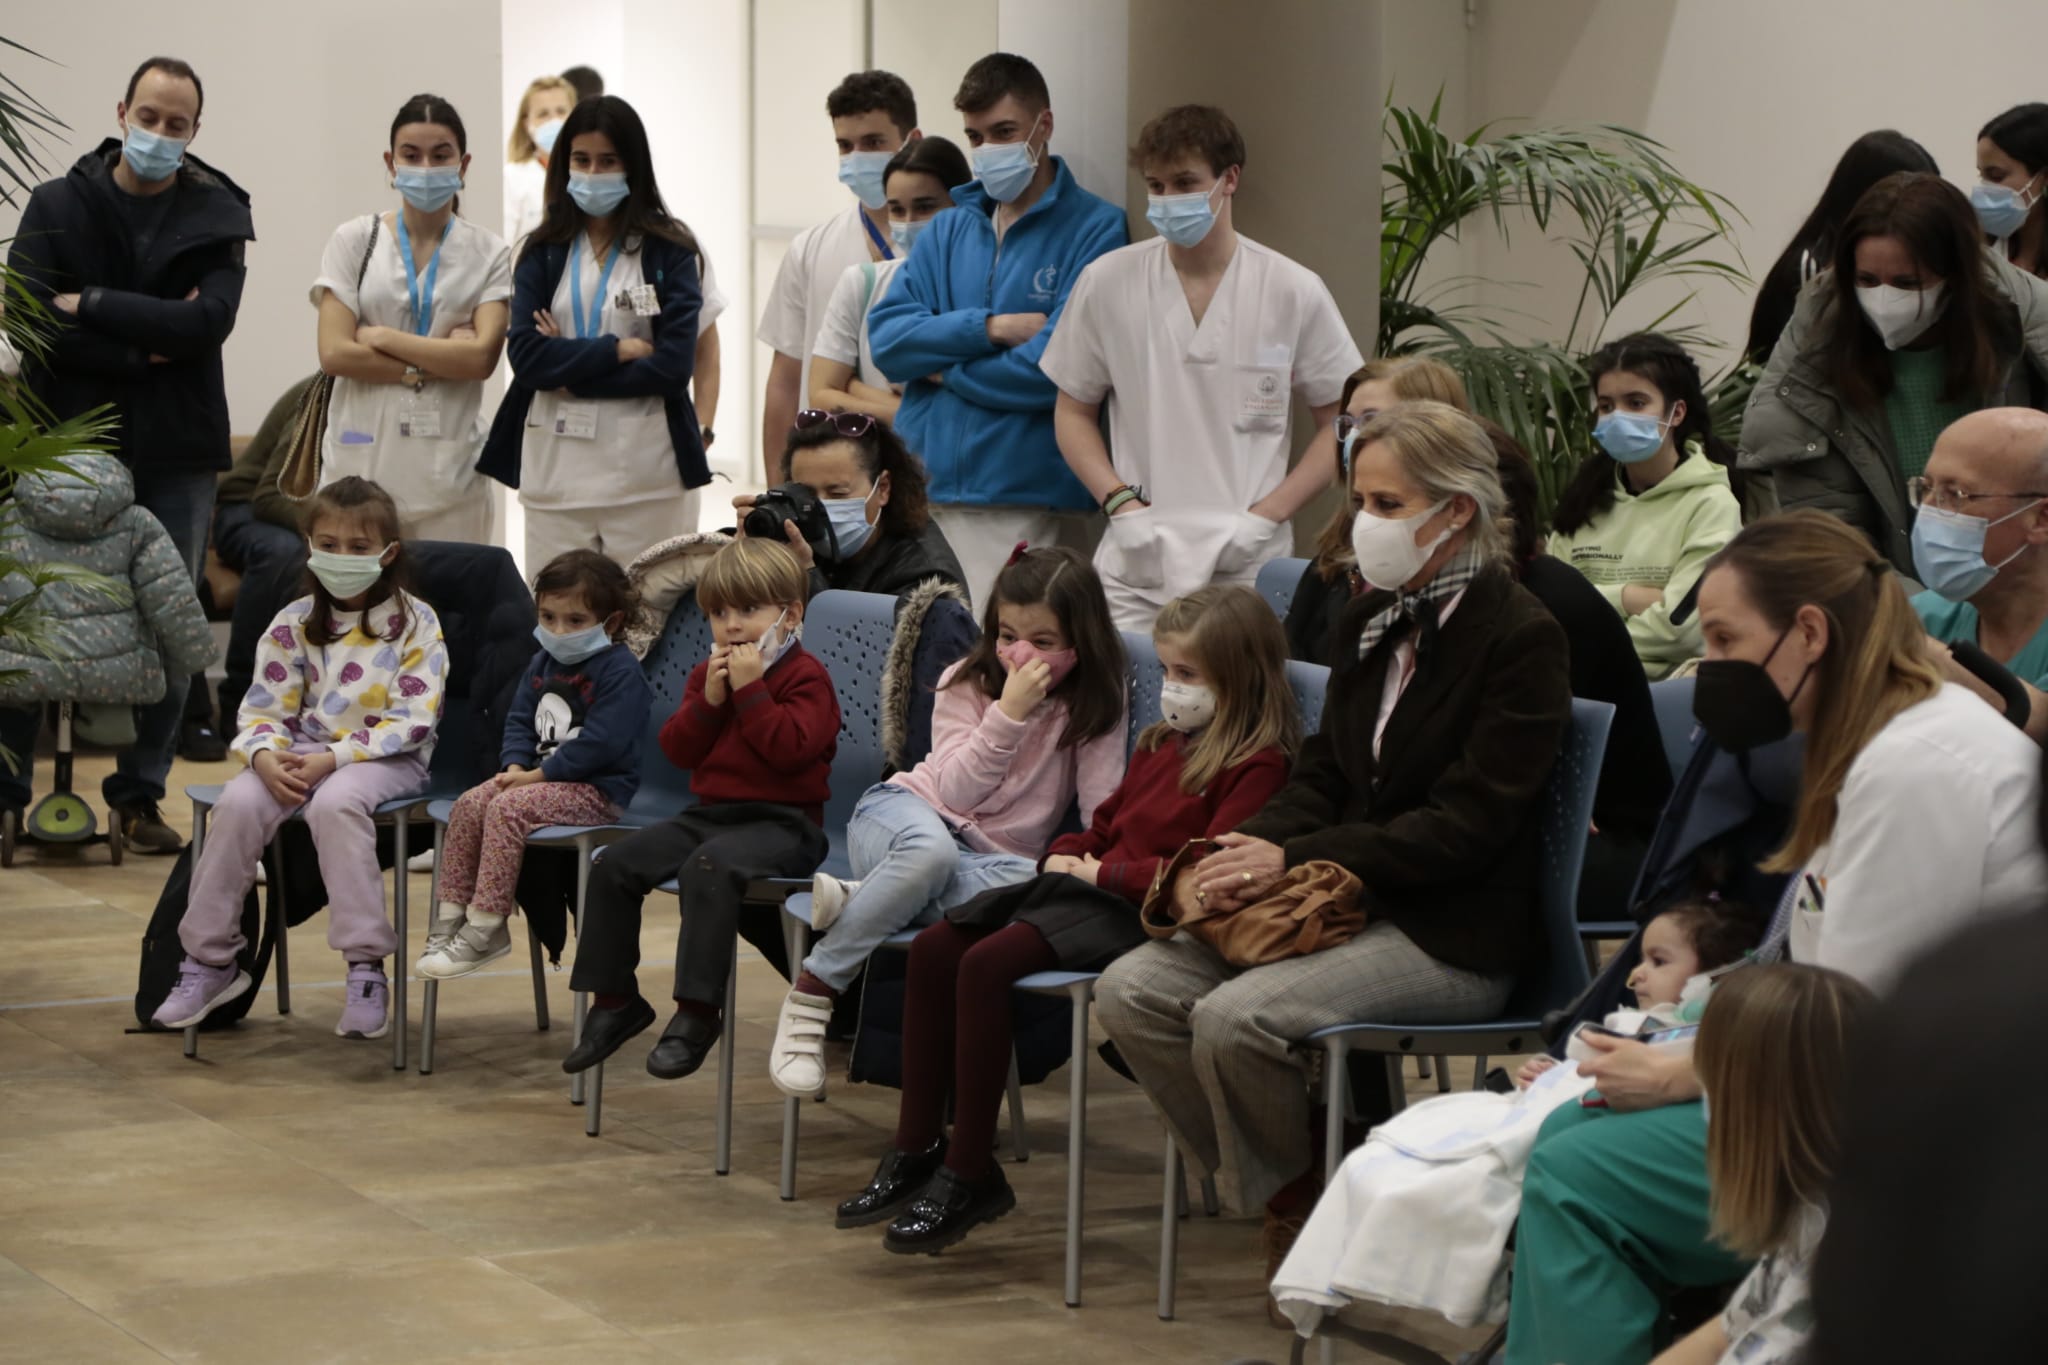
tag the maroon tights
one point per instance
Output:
(956, 1014)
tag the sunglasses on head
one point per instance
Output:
(852, 425)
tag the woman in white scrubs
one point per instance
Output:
(597, 431)
(412, 343)
(542, 109)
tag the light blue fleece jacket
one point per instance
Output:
(985, 430)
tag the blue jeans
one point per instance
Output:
(912, 869)
(263, 555)
(183, 501)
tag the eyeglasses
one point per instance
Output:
(1946, 497)
(852, 425)
(1347, 423)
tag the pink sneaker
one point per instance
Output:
(200, 990)
(368, 1003)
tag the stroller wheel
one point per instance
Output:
(61, 818)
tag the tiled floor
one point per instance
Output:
(290, 1197)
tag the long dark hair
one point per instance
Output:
(360, 500)
(881, 451)
(2021, 132)
(1935, 223)
(643, 214)
(1870, 158)
(1065, 582)
(1666, 364)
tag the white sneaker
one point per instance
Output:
(420, 862)
(797, 1062)
(829, 896)
(448, 917)
(471, 946)
(262, 874)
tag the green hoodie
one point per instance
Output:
(1662, 539)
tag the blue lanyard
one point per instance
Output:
(875, 235)
(422, 300)
(587, 326)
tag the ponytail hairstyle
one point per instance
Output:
(357, 502)
(1237, 642)
(1410, 377)
(1875, 663)
(1773, 1056)
(435, 110)
(520, 147)
(643, 214)
(1676, 376)
(1066, 583)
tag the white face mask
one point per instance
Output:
(775, 641)
(1187, 707)
(1901, 315)
(1386, 550)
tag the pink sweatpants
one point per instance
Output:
(486, 839)
(338, 815)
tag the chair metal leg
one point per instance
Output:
(540, 975)
(199, 814)
(1335, 1050)
(401, 893)
(593, 1102)
(722, 1158)
(797, 935)
(1077, 1136)
(577, 1081)
(1180, 1199)
(1479, 1072)
(1020, 1143)
(192, 1041)
(284, 928)
(1211, 1206)
(1443, 1075)
(1398, 1092)
(1169, 1228)
(430, 1001)
(1422, 1068)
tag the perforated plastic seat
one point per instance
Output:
(1277, 580)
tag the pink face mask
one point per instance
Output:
(1017, 653)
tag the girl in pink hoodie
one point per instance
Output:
(1032, 718)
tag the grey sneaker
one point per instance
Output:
(200, 990)
(367, 1008)
(470, 948)
(448, 917)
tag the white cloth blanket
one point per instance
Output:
(1419, 1216)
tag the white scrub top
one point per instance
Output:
(843, 333)
(1197, 415)
(630, 458)
(804, 284)
(525, 185)
(424, 473)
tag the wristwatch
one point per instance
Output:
(415, 378)
(709, 437)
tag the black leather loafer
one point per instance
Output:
(896, 1182)
(946, 1210)
(684, 1045)
(604, 1031)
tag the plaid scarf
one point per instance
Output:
(1421, 607)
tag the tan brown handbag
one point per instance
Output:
(299, 478)
(1313, 907)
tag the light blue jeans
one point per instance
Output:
(912, 868)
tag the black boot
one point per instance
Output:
(684, 1045)
(896, 1182)
(604, 1030)
(947, 1209)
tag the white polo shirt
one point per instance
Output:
(843, 332)
(1197, 415)
(804, 284)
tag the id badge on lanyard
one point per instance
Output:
(419, 415)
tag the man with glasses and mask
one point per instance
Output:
(968, 318)
(1199, 340)
(137, 255)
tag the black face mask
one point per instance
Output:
(1738, 703)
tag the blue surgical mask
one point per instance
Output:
(1630, 437)
(598, 195)
(861, 172)
(1948, 550)
(545, 135)
(776, 640)
(905, 233)
(575, 646)
(151, 157)
(427, 188)
(346, 576)
(1005, 168)
(2001, 211)
(1182, 219)
(850, 525)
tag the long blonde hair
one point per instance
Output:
(519, 147)
(1410, 377)
(1772, 1056)
(1237, 642)
(1875, 665)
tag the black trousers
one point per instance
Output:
(713, 851)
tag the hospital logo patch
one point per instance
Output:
(1045, 284)
(1269, 386)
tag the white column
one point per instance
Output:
(1083, 48)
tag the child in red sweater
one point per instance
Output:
(1222, 750)
(757, 730)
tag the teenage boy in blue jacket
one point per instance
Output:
(969, 315)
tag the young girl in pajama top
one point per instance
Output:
(571, 757)
(340, 719)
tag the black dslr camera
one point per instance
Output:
(792, 502)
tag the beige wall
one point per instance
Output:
(1300, 84)
(931, 43)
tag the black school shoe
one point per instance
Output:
(947, 1209)
(897, 1181)
(684, 1045)
(197, 743)
(604, 1031)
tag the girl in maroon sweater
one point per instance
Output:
(1222, 750)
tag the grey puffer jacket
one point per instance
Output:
(1811, 450)
(103, 647)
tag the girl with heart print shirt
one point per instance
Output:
(340, 719)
